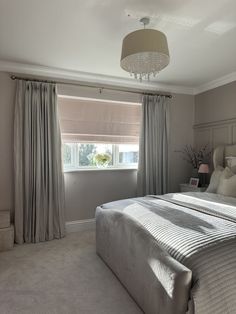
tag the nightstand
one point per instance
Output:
(185, 187)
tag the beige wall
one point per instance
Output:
(87, 189)
(216, 104)
(215, 114)
(7, 93)
(181, 133)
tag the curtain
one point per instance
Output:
(153, 146)
(39, 181)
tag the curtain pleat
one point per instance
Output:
(39, 181)
(153, 146)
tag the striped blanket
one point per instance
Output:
(199, 231)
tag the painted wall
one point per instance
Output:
(215, 116)
(7, 94)
(216, 104)
(85, 190)
(181, 133)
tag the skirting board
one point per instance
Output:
(80, 225)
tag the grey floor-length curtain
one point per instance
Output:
(153, 146)
(39, 181)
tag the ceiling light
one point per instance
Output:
(144, 52)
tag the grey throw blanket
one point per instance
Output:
(199, 231)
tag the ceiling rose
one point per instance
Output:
(144, 52)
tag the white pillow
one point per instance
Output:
(227, 185)
(215, 179)
(233, 169)
(230, 161)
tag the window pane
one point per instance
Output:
(128, 154)
(86, 153)
(82, 155)
(67, 154)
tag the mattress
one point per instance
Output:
(174, 253)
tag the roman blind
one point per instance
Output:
(88, 120)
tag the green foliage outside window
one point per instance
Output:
(86, 153)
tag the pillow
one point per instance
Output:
(215, 179)
(230, 161)
(227, 173)
(227, 184)
(233, 169)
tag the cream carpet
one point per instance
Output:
(60, 277)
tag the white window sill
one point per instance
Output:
(100, 169)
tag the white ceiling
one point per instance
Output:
(86, 35)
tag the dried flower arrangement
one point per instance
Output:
(196, 157)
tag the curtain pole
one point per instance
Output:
(13, 77)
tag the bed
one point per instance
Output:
(174, 253)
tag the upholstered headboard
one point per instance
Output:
(221, 152)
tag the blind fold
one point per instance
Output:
(99, 121)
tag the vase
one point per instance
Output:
(102, 164)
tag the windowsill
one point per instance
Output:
(100, 169)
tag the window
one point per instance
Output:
(81, 155)
(93, 126)
(128, 154)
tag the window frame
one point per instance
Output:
(115, 156)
